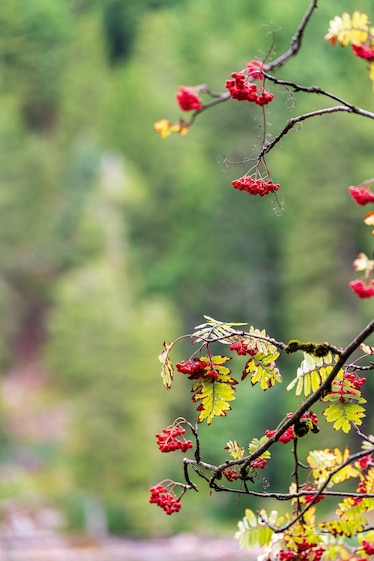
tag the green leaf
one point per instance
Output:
(253, 531)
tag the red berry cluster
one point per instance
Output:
(368, 547)
(309, 498)
(355, 380)
(255, 186)
(309, 416)
(361, 289)
(230, 474)
(307, 419)
(366, 461)
(361, 195)
(259, 463)
(164, 499)
(242, 89)
(350, 384)
(255, 69)
(188, 100)
(197, 369)
(167, 441)
(304, 551)
(194, 368)
(285, 437)
(241, 347)
(363, 487)
(361, 51)
(290, 555)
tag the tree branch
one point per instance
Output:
(296, 40)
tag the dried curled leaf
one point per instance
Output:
(167, 371)
(214, 330)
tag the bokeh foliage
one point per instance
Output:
(104, 276)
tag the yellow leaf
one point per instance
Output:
(338, 31)
(360, 28)
(235, 450)
(347, 29)
(164, 127)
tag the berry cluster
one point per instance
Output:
(350, 384)
(285, 437)
(365, 462)
(307, 422)
(368, 547)
(258, 463)
(242, 90)
(255, 69)
(361, 195)
(255, 186)
(309, 498)
(305, 552)
(197, 369)
(356, 381)
(164, 499)
(167, 441)
(194, 368)
(361, 289)
(230, 474)
(364, 52)
(188, 100)
(241, 347)
(301, 550)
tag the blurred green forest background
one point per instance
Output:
(112, 240)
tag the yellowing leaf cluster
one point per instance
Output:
(347, 29)
(164, 128)
(262, 367)
(351, 518)
(235, 450)
(344, 414)
(324, 462)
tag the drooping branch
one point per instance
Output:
(319, 112)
